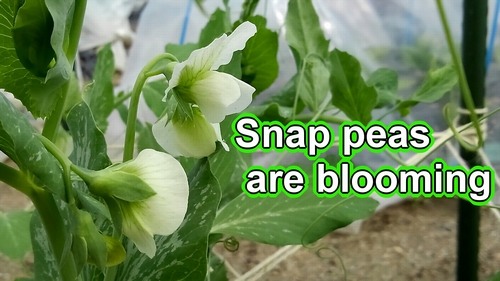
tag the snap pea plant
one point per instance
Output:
(153, 216)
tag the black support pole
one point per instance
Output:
(473, 57)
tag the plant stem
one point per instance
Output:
(51, 217)
(52, 122)
(296, 100)
(128, 150)
(396, 158)
(15, 179)
(391, 110)
(473, 56)
(327, 118)
(76, 30)
(65, 164)
(463, 79)
(44, 201)
(121, 99)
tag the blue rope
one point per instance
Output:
(409, 36)
(491, 43)
(186, 22)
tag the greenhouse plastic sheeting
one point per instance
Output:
(364, 28)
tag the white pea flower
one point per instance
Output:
(162, 213)
(191, 138)
(152, 192)
(217, 94)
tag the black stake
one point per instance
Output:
(473, 57)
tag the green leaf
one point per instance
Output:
(62, 14)
(15, 233)
(215, 27)
(286, 95)
(233, 188)
(421, 55)
(181, 52)
(226, 165)
(80, 252)
(385, 81)
(271, 112)
(153, 93)
(303, 31)
(116, 216)
(39, 95)
(437, 83)
(123, 112)
(18, 141)
(217, 270)
(183, 254)
(90, 152)
(199, 3)
(259, 61)
(31, 34)
(289, 221)
(96, 245)
(89, 144)
(349, 90)
(495, 277)
(74, 95)
(188, 163)
(99, 95)
(45, 266)
(249, 7)
(147, 140)
(91, 204)
(14, 77)
(313, 82)
(223, 163)
(233, 67)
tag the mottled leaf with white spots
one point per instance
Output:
(45, 263)
(290, 221)
(228, 166)
(89, 151)
(17, 140)
(89, 145)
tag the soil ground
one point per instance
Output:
(414, 240)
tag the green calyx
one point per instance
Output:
(169, 69)
(115, 182)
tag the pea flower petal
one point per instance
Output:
(217, 94)
(191, 138)
(159, 214)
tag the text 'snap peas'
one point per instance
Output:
(314, 138)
